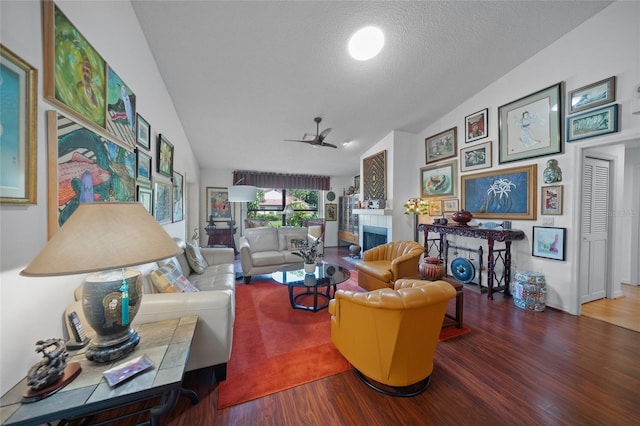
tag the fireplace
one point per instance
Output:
(373, 236)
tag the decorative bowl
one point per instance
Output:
(462, 217)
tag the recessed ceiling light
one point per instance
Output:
(366, 43)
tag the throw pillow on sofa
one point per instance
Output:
(195, 259)
(168, 279)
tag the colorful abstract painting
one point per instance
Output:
(121, 109)
(78, 70)
(88, 168)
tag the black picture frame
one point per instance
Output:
(549, 242)
(164, 156)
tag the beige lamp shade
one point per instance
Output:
(102, 236)
(288, 210)
(242, 193)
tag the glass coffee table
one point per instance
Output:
(317, 286)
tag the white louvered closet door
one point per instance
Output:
(595, 223)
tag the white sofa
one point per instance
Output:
(214, 304)
(263, 250)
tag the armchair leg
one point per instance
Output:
(247, 280)
(402, 391)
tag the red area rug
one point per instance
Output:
(276, 347)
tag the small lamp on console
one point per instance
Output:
(106, 238)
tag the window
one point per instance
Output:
(272, 201)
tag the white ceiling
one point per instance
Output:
(244, 75)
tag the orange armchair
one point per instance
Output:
(390, 336)
(384, 264)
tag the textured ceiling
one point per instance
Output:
(244, 75)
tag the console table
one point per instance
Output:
(221, 237)
(166, 342)
(491, 235)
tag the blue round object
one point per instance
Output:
(463, 270)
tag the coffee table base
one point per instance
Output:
(311, 291)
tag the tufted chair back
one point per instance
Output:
(390, 335)
(386, 263)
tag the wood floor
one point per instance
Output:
(515, 367)
(623, 311)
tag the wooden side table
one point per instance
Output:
(167, 343)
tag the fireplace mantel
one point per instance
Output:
(373, 212)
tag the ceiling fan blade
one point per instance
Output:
(296, 140)
(330, 145)
(324, 133)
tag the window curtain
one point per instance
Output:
(281, 180)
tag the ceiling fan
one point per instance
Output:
(318, 139)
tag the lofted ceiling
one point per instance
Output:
(245, 75)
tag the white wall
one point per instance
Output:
(606, 45)
(31, 308)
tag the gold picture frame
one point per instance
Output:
(18, 176)
(331, 212)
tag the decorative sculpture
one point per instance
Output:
(48, 370)
(552, 173)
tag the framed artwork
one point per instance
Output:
(476, 157)
(18, 103)
(165, 156)
(145, 197)
(143, 167)
(121, 109)
(178, 197)
(143, 132)
(74, 72)
(331, 212)
(501, 194)
(162, 202)
(439, 180)
(551, 200)
(374, 170)
(435, 208)
(549, 242)
(356, 183)
(595, 122)
(84, 167)
(218, 206)
(592, 95)
(441, 146)
(450, 206)
(476, 126)
(531, 126)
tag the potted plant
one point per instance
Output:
(309, 254)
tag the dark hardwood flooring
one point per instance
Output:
(516, 367)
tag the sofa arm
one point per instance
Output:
(213, 337)
(217, 255)
(246, 261)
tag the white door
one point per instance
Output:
(595, 223)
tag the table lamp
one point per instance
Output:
(287, 212)
(241, 194)
(106, 238)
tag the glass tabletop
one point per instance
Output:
(325, 274)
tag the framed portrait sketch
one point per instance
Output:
(374, 170)
(476, 126)
(143, 132)
(165, 156)
(18, 103)
(501, 194)
(592, 95)
(178, 197)
(143, 168)
(450, 206)
(145, 197)
(476, 157)
(331, 212)
(218, 206)
(531, 126)
(162, 202)
(595, 122)
(439, 180)
(551, 200)
(549, 242)
(441, 146)
(65, 52)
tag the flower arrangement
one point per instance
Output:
(416, 206)
(309, 252)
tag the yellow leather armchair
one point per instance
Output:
(390, 336)
(384, 264)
